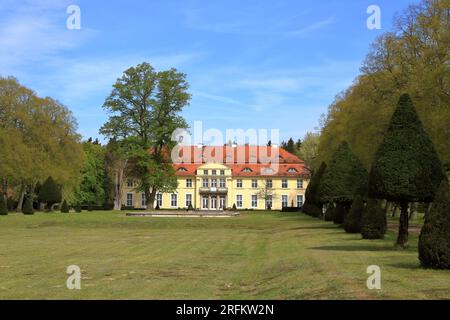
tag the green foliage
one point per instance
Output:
(373, 221)
(11, 204)
(339, 213)
(27, 208)
(64, 207)
(190, 207)
(406, 166)
(3, 207)
(50, 193)
(352, 221)
(157, 207)
(308, 150)
(78, 207)
(434, 239)
(234, 208)
(329, 212)
(344, 176)
(89, 208)
(312, 205)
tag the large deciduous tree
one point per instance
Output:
(406, 167)
(145, 108)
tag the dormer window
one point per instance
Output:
(247, 170)
(292, 170)
(182, 169)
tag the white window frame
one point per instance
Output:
(205, 183)
(159, 199)
(189, 183)
(269, 199)
(222, 183)
(287, 201)
(207, 202)
(239, 183)
(254, 183)
(128, 199)
(222, 172)
(186, 199)
(213, 172)
(299, 184)
(143, 202)
(176, 200)
(283, 186)
(237, 200)
(269, 183)
(254, 201)
(214, 183)
(299, 202)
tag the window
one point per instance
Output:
(173, 200)
(205, 202)
(247, 170)
(159, 199)
(299, 200)
(239, 183)
(213, 183)
(205, 183)
(299, 184)
(143, 200)
(254, 201)
(269, 184)
(254, 183)
(222, 172)
(205, 172)
(292, 170)
(129, 199)
(188, 200)
(284, 201)
(222, 183)
(239, 200)
(130, 183)
(188, 183)
(213, 172)
(284, 183)
(182, 169)
(269, 202)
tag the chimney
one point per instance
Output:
(200, 145)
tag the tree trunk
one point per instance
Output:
(150, 198)
(402, 239)
(21, 198)
(394, 212)
(388, 207)
(118, 187)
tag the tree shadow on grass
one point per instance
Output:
(406, 265)
(314, 227)
(354, 248)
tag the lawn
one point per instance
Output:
(254, 256)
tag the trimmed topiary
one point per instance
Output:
(27, 208)
(49, 193)
(329, 212)
(78, 208)
(11, 204)
(373, 220)
(190, 207)
(64, 207)
(3, 207)
(352, 222)
(406, 167)
(312, 203)
(434, 239)
(157, 207)
(234, 207)
(89, 208)
(340, 212)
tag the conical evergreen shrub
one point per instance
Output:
(3, 207)
(339, 213)
(49, 193)
(406, 167)
(234, 207)
(64, 207)
(434, 239)
(373, 221)
(157, 207)
(78, 208)
(312, 204)
(28, 206)
(352, 222)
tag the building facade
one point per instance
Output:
(216, 178)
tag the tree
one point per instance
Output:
(50, 193)
(64, 207)
(352, 222)
(373, 220)
(78, 207)
(308, 150)
(28, 206)
(146, 107)
(328, 216)
(266, 193)
(434, 239)
(312, 205)
(289, 146)
(343, 178)
(406, 167)
(3, 208)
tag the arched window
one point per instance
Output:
(247, 170)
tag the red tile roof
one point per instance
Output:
(257, 158)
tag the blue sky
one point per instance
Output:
(250, 64)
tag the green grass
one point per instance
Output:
(254, 256)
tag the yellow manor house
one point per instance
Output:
(231, 175)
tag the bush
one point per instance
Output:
(11, 204)
(434, 239)
(64, 207)
(3, 207)
(190, 207)
(157, 207)
(315, 210)
(28, 206)
(78, 208)
(291, 209)
(89, 207)
(234, 207)
(329, 212)
(49, 193)
(352, 222)
(339, 213)
(373, 221)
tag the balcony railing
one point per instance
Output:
(213, 190)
